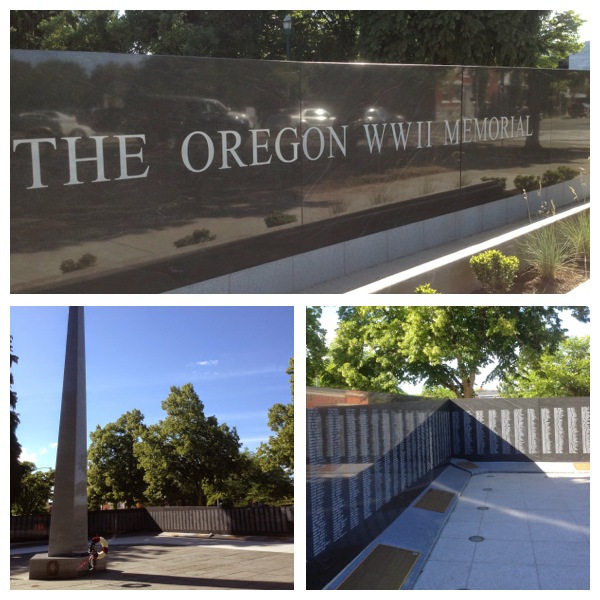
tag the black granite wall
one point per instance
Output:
(143, 174)
(369, 455)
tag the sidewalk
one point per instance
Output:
(175, 562)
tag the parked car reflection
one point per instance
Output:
(377, 114)
(49, 123)
(302, 120)
(171, 117)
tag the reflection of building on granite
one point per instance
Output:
(581, 60)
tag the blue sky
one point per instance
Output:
(235, 357)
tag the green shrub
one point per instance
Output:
(494, 270)
(196, 237)
(69, 265)
(568, 173)
(527, 182)
(278, 218)
(425, 289)
(551, 177)
(500, 180)
(87, 260)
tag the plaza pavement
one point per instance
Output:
(175, 562)
(515, 531)
(511, 526)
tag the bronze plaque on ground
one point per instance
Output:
(385, 568)
(466, 464)
(436, 500)
(582, 466)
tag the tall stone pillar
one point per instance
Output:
(68, 524)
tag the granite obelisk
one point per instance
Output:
(68, 524)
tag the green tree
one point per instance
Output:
(559, 38)
(439, 392)
(452, 37)
(324, 35)
(25, 32)
(565, 372)
(316, 347)
(378, 348)
(259, 481)
(523, 38)
(17, 471)
(88, 30)
(279, 451)
(267, 475)
(35, 491)
(186, 450)
(114, 474)
(353, 360)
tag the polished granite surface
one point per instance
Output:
(147, 173)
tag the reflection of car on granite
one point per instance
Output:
(280, 119)
(215, 116)
(375, 115)
(315, 117)
(49, 123)
(170, 117)
(580, 110)
(303, 119)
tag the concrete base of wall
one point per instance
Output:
(42, 566)
(448, 270)
(333, 269)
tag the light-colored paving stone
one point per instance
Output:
(535, 530)
(176, 563)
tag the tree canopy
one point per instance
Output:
(316, 348)
(185, 450)
(34, 492)
(114, 474)
(518, 38)
(565, 372)
(379, 348)
(17, 470)
(189, 458)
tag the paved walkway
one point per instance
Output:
(175, 562)
(533, 532)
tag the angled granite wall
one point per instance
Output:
(369, 455)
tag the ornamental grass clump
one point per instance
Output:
(577, 231)
(495, 271)
(547, 251)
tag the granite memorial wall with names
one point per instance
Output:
(365, 460)
(369, 455)
(144, 174)
(538, 429)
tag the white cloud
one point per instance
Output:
(28, 456)
(207, 363)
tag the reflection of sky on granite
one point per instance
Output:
(335, 471)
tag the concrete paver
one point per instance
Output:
(535, 531)
(181, 562)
